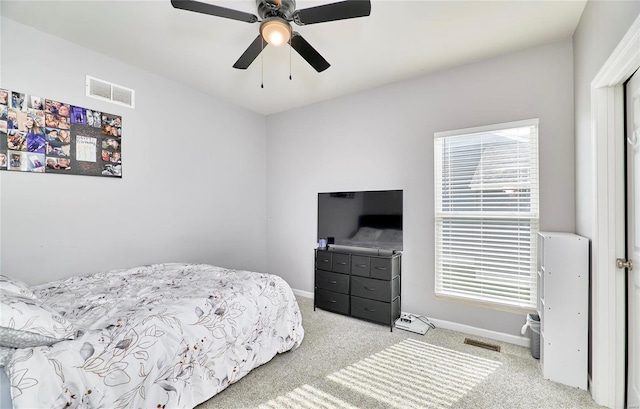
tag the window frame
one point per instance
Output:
(533, 215)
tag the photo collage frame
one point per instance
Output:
(48, 136)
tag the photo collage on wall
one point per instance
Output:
(47, 136)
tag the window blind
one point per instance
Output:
(486, 214)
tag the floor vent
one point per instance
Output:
(108, 91)
(482, 344)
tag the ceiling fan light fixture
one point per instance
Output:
(275, 31)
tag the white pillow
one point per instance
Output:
(28, 322)
(366, 234)
(10, 285)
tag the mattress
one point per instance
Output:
(164, 335)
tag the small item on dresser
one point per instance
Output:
(322, 244)
(331, 240)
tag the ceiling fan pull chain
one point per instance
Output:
(289, 58)
(262, 68)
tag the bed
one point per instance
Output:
(376, 231)
(162, 336)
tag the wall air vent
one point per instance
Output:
(108, 91)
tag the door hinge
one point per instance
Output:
(622, 263)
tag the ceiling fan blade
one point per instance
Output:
(308, 53)
(205, 8)
(250, 53)
(334, 11)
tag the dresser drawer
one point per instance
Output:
(382, 268)
(323, 260)
(332, 281)
(331, 301)
(360, 266)
(369, 288)
(371, 310)
(340, 263)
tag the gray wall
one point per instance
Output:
(383, 139)
(601, 27)
(194, 174)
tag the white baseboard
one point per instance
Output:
(481, 332)
(454, 326)
(300, 293)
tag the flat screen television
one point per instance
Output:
(368, 219)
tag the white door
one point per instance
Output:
(633, 240)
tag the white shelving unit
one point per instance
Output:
(563, 302)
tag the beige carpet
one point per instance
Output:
(344, 363)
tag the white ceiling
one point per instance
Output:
(401, 39)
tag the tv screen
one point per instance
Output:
(370, 219)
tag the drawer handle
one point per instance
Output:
(333, 301)
(324, 261)
(361, 265)
(369, 309)
(342, 264)
(381, 268)
(333, 282)
(369, 289)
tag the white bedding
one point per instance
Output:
(165, 335)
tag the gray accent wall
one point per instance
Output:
(193, 186)
(383, 139)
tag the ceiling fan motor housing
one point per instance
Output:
(276, 8)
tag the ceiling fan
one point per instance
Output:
(275, 24)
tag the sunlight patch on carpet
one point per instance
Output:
(306, 397)
(414, 374)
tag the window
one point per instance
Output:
(486, 214)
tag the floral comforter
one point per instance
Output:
(159, 336)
